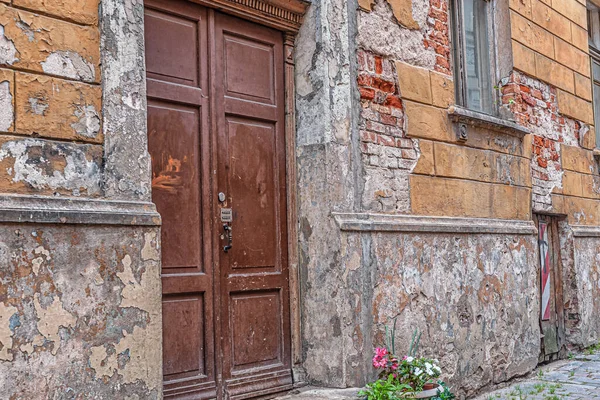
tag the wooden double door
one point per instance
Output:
(216, 137)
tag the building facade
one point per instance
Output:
(230, 198)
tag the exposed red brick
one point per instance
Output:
(367, 94)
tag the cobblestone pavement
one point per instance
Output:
(575, 379)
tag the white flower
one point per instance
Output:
(409, 359)
(437, 368)
(418, 371)
(429, 371)
(427, 365)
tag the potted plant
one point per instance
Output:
(408, 377)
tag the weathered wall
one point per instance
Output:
(551, 95)
(80, 312)
(79, 320)
(327, 169)
(471, 297)
(394, 164)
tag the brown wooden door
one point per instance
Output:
(215, 125)
(551, 293)
(250, 156)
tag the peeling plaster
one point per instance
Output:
(26, 28)
(6, 106)
(124, 101)
(106, 365)
(38, 105)
(94, 304)
(70, 65)
(6, 333)
(51, 319)
(150, 250)
(380, 33)
(79, 172)
(89, 122)
(8, 51)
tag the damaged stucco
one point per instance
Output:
(91, 312)
(8, 52)
(363, 134)
(469, 295)
(6, 106)
(380, 32)
(53, 167)
(80, 290)
(70, 65)
(124, 100)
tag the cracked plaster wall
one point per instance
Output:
(470, 296)
(91, 312)
(358, 151)
(80, 304)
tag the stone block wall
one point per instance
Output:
(80, 313)
(431, 228)
(550, 92)
(51, 98)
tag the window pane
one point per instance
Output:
(596, 70)
(477, 58)
(594, 26)
(596, 67)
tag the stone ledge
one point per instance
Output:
(462, 115)
(585, 231)
(363, 222)
(52, 210)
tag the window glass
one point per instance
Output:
(477, 70)
(594, 40)
(596, 82)
(593, 26)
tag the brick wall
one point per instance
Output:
(551, 94)
(388, 156)
(487, 176)
(50, 96)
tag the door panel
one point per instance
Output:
(256, 336)
(550, 278)
(254, 294)
(258, 84)
(180, 44)
(252, 189)
(216, 124)
(179, 143)
(174, 134)
(184, 351)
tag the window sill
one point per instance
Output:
(461, 115)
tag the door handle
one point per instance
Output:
(229, 237)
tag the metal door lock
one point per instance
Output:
(229, 237)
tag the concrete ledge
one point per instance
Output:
(59, 210)
(474, 118)
(363, 222)
(585, 231)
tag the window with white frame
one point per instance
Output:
(594, 40)
(474, 55)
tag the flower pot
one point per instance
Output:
(429, 390)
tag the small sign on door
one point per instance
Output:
(226, 215)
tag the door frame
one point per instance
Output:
(287, 17)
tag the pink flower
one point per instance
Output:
(379, 362)
(381, 352)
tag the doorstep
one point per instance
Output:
(315, 393)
